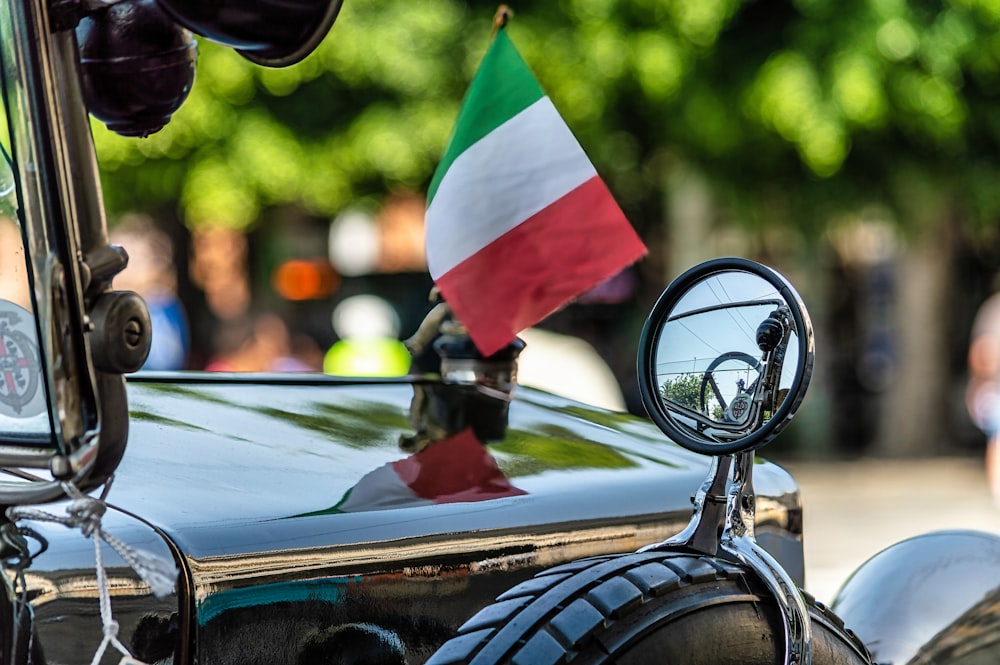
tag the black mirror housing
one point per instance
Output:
(273, 33)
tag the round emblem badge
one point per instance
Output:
(739, 407)
(20, 368)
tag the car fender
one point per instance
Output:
(928, 599)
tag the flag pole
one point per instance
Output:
(500, 19)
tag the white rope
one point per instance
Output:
(85, 512)
(110, 626)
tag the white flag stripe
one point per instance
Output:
(518, 169)
(381, 489)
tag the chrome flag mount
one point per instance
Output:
(518, 220)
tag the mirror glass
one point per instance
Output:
(727, 361)
(23, 414)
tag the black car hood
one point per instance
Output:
(235, 466)
(288, 502)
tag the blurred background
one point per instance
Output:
(852, 144)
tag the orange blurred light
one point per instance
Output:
(305, 279)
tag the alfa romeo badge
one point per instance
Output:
(21, 395)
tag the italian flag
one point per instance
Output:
(518, 221)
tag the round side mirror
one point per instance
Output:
(725, 357)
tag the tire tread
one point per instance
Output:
(589, 604)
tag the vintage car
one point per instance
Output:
(443, 517)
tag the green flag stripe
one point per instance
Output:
(502, 87)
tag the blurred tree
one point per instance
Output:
(684, 390)
(786, 114)
(792, 109)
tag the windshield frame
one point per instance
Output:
(65, 231)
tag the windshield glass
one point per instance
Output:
(23, 415)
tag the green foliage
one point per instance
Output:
(4, 134)
(684, 390)
(368, 111)
(8, 196)
(802, 105)
(523, 453)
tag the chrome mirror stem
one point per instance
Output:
(738, 541)
(702, 533)
(732, 504)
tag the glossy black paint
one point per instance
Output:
(255, 490)
(934, 598)
(62, 588)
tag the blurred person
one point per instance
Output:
(260, 344)
(13, 261)
(231, 343)
(306, 353)
(13, 266)
(219, 267)
(983, 391)
(152, 273)
(22, 393)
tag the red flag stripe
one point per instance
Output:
(535, 268)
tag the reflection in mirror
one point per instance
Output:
(726, 356)
(23, 416)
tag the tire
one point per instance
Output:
(642, 609)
